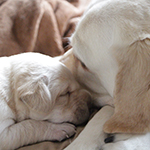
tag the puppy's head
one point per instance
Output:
(53, 95)
(71, 106)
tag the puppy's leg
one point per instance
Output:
(32, 131)
(92, 137)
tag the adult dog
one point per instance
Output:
(111, 52)
(38, 96)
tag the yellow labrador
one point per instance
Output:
(111, 55)
(112, 42)
(38, 96)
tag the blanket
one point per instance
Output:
(38, 25)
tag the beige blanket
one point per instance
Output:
(38, 25)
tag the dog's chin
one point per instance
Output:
(81, 116)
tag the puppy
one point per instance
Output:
(38, 96)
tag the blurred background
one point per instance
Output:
(38, 25)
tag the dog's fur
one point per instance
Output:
(38, 96)
(112, 43)
(93, 136)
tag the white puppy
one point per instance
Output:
(38, 96)
(111, 52)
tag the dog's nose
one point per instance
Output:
(109, 139)
(82, 110)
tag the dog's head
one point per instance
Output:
(71, 106)
(52, 93)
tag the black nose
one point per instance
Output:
(109, 139)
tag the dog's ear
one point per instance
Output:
(36, 94)
(132, 91)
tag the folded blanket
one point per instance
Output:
(38, 25)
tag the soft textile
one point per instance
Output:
(38, 25)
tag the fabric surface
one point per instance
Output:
(38, 25)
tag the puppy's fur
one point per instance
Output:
(113, 42)
(38, 96)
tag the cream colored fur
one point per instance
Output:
(38, 96)
(87, 79)
(92, 137)
(112, 43)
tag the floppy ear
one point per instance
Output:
(132, 91)
(36, 95)
(58, 88)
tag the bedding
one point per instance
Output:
(38, 25)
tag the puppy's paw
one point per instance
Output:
(62, 131)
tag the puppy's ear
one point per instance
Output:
(35, 94)
(58, 87)
(132, 93)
